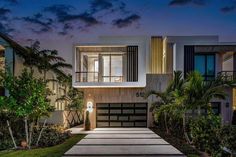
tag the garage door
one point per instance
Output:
(121, 115)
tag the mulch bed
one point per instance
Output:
(178, 143)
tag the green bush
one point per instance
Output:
(52, 135)
(227, 135)
(5, 139)
(204, 130)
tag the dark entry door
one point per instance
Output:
(121, 115)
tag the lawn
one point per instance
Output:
(55, 151)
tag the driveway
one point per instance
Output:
(122, 142)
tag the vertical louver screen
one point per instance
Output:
(132, 63)
(188, 59)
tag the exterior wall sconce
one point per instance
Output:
(89, 106)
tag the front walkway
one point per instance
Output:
(122, 142)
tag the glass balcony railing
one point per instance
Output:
(96, 77)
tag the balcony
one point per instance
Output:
(97, 77)
(106, 64)
(228, 75)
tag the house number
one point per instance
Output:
(140, 94)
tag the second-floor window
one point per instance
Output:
(112, 68)
(205, 64)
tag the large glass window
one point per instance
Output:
(101, 63)
(112, 68)
(205, 64)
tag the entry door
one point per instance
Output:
(121, 115)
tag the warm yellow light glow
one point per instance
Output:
(90, 106)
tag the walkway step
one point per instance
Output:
(122, 142)
(120, 132)
(122, 129)
(156, 155)
(122, 136)
(156, 150)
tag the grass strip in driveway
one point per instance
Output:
(54, 151)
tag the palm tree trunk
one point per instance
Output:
(40, 134)
(184, 129)
(166, 125)
(11, 134)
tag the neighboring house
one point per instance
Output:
(116, 72)
(9, 58)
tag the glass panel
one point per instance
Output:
(106, 67)
(140, 123)
(115, 111)
(123, 118)
(115, 105)
(128, 123)
(103, 105)
(102, 124)
(137, 118)
(115, 123)
(140, 111)
(210, 65)
(199, 64)
(102, 111)
(140, 105)
(130, 111)
(102, 118)
(116, 68)
(113, 117)
(128, 105)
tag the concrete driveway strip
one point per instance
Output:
(122, 142)
(122, 136)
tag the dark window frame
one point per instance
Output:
(206, 76)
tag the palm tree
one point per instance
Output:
(201, 92)
(183, 95)
(50, 61)
(166, 98)
(196, 94)
(30, 55)
(44, 60)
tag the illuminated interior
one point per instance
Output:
(101, 64)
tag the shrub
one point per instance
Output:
(204, 130)
(52, 135)
(228, 137)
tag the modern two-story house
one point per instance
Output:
(115, 73)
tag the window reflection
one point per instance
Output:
(205, 64)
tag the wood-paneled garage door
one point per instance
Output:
(121, 115)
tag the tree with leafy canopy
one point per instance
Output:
(27, 99)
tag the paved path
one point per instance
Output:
(122, 142)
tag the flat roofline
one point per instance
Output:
(99, 45)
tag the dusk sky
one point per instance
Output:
(58, 24)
